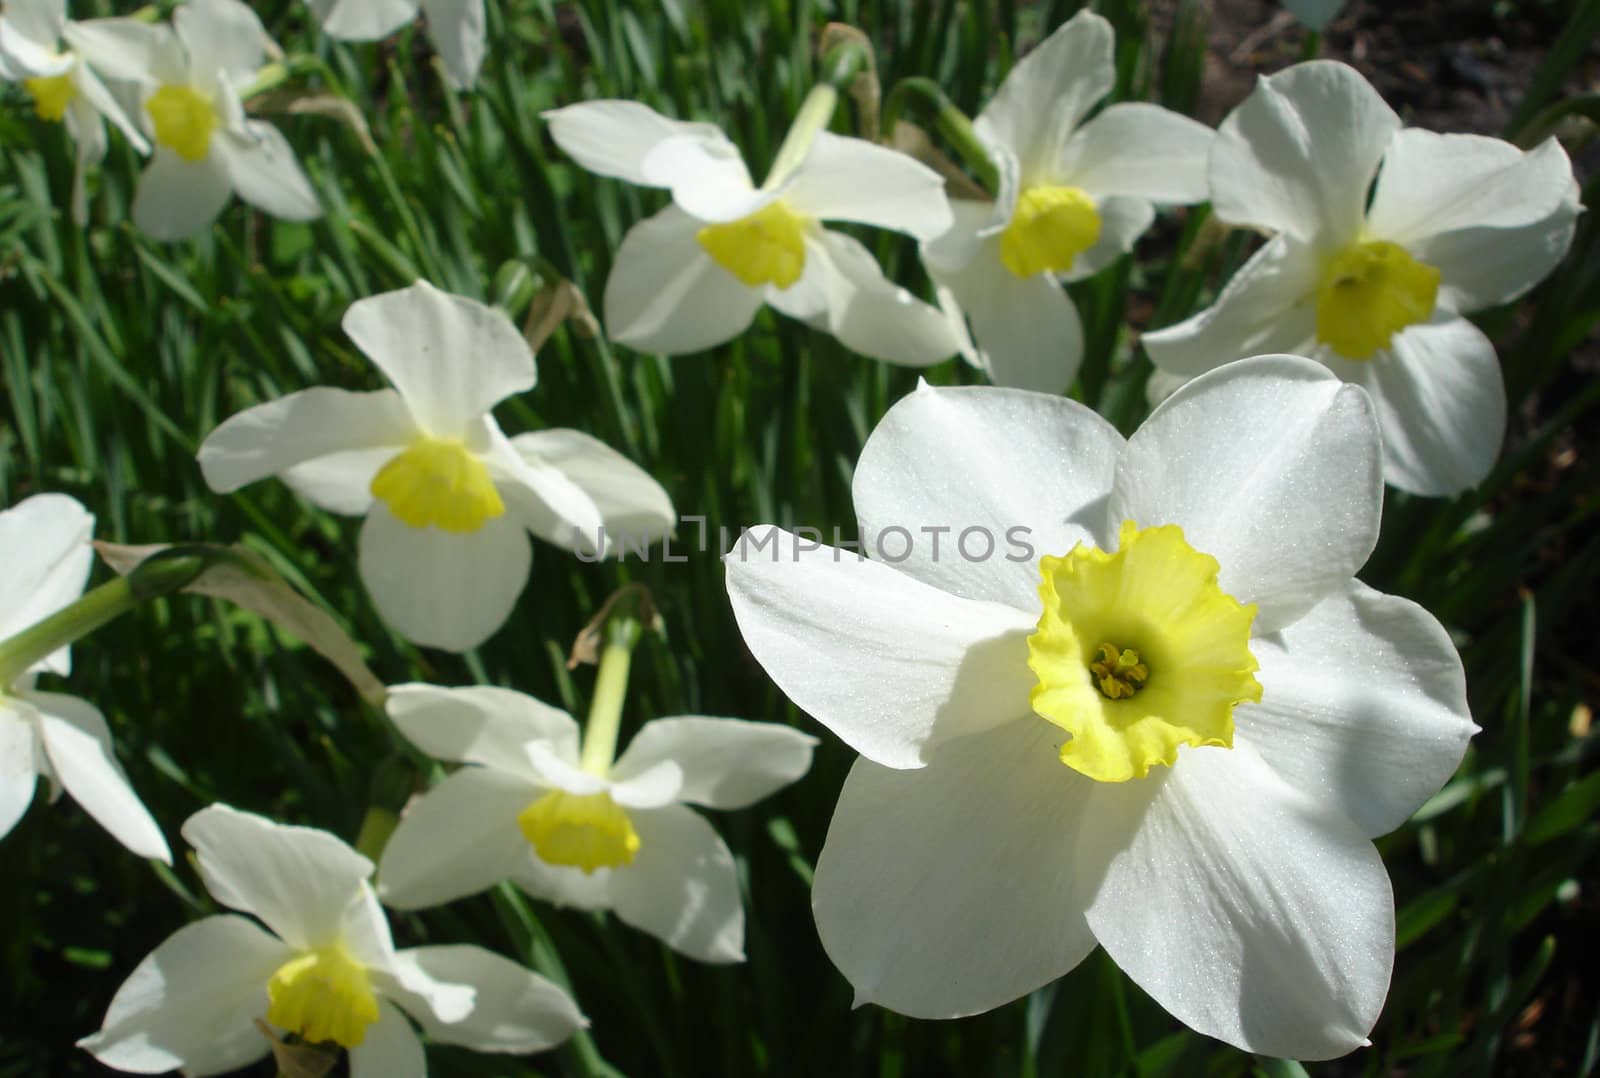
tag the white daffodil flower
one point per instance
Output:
(456, 27)
(1135, 698)
(44, 560)
(206, 148)
(56, 61)
(695, 274)
(448, 498)
(1072, 200)
(1376, 291)
(325, 969)
(578, 831)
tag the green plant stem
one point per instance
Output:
(839, 68)
(924, 98)
(610, 690)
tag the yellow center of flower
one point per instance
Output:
(438, 481)
(767, 247)
(587, 831)
(323, 995)
(184, 119)
(1139, 652)
(1370, 291)
(1051, 227)
(51, 95)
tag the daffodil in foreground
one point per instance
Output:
(695, 274)
(448, 498)
(44, 560)
(575, 828)
(206, 148)
(60, 65)
(1376, 291)
(1072, 200)
(1136, 698)
(456, 28)
(324, 968)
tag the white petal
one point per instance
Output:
(682, 887)
(298, 880)
(19, 770)
(44, 560)
(262, 167)
(1442, 405)
(850, 179)
(78, 743)
(1248, 911)
(390, 1049)
(666, 295)
(177, 199)
(1027, 471)
(342, 482)
(41, 20)
(1122, 221)
(544, 499)
(1485, 267)
(222, 35)
(1049, 91)
(127, 50)
(706, 175)
(634, 509)
(513, 1009)
(457, 29)
(871, 314)
(364, 930)
(363, 20)
(726, 763)
(1139, 150)
(1300, 152)
(564, 887)
(192, 1002)
(613, 137)
(441, 589)
(451, 358)
(100, 100)
(1268, 307)
(1433, 184)
(275, 437)
(1271, 466)
(1363, 706)
(888, 663)
(652, 787)
(479, 724)
(1027, 329)
(556, 769)
(27, 44)
(954, 889)
(459, 838)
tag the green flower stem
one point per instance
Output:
(922, 97)
(610, 690)
(156, 577)
(840, 66)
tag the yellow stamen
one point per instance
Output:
(587, 831)
(51, 95)
(184, 119)
(1051, 227)
(1370, 291)
(439, 482)
(1129, 708)
(767, 247)
(323, 995)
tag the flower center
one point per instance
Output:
(323, 995)
(1370, 291)
(1180, 663)
(767, 247)
(586, 831)
(184, 119)
(1051, 227)
(438, 481)
(51, 95)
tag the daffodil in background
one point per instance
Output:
(695, 274)
(1376, 290)
(1073, 197)
(448, 499)
(456, 28)
(205, 148)
(44, 560)
(1161, 715)
(573, 827)
(60, 64)
(323, 968)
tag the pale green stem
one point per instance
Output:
(840, 67)
(924, 98)
(610, 690)
(265, 79)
